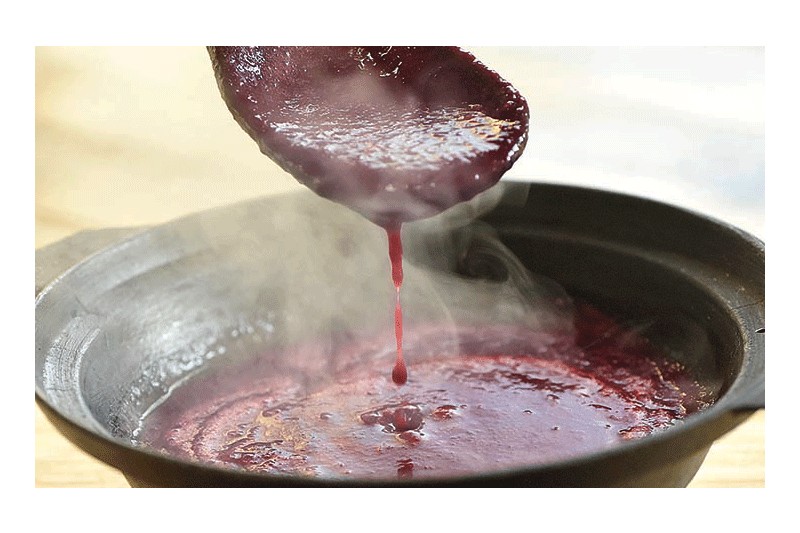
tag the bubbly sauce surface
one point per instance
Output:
(409, 139)
(456, 414)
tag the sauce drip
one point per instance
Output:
(515, 397)
(399, 373)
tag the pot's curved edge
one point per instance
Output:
(54, 260)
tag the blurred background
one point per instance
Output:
(137, 136)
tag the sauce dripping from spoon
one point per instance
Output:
(396, 134)
(400, 372)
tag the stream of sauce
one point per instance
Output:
(399, 372)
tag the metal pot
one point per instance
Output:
(122, 316)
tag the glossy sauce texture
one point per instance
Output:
(395, 133)
(514, 398)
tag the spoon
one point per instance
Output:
(394, 133)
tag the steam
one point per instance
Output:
(314, 278)
(469, 276)
(298, 288)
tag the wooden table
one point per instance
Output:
(138, 136)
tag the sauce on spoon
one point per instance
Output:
(394, 133)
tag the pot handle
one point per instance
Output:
(749, 400)
(55, 259)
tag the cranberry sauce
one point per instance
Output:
(532, 398)
(395, 133)
(399, 373)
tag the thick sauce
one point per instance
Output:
(399, 372)
(520, 398)
(394, 133)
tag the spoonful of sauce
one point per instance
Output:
(394, 133)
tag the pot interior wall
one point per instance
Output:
(700, 279)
